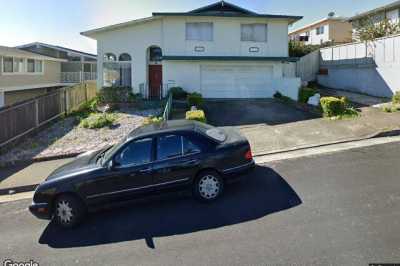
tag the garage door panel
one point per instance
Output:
(236, 81)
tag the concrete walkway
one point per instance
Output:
(361, 99)
(266, 139)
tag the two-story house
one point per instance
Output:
(332, 30)
(391, 12)
(25, 75)
(220, 50)
(80, 66)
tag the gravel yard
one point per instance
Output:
(67, 137)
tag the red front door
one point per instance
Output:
(155, 81)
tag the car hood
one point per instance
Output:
(83, 163)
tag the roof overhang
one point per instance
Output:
(59, 48)
(376, 10)
(218, 9)
(228, 58)
(15, 52)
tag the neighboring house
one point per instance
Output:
(220, 50)
(332, 30)
(390, 12)
(24, 75)
(80, 67)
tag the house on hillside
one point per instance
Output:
(332, 30)
(220, 50)
(391, 12)
(25, 75)
(80, 66)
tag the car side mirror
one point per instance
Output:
(110, 165)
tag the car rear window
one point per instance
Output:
(217, 134)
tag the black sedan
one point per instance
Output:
(152, 159)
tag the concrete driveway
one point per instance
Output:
(252, 112)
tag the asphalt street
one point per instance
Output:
(333, 209)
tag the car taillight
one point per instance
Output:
(248, 155)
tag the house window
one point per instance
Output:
(7, 64)
(31, 65)
(34, 66)
(254, 32)
(18, 65)
(110, 57)
(320, 30)
(117, 73)
(199, 31)
(125, 57)
(155, 54)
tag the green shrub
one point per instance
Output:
(116, 95)
(282, 97)
(305, 93)
(153, 120)
(98, 120)
(396, 98)
(278, 95)
(332, 106)
(387, 109)
(299, 49)
(195, 99)
(197, 115)
(178, 93)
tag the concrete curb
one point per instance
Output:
(27, 188)
(40, 159)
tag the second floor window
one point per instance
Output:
(254, 32)
(199, 31)
(320, 30)
(34, 66)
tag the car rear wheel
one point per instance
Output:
(68, 211)
(208, 186)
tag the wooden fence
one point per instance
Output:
(308, 66)
(20, 119)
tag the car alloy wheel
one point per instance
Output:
(69, 210)
(64, 212)
(209, 187)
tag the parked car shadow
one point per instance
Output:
(253, 112)
(261, 193)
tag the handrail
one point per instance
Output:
(168, 107)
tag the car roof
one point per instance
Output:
(165, 127)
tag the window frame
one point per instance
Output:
(121, 149)
(320, 30)
(199, 23)
(253, 27)
(182, 155)
(23, 66)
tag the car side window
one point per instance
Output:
(136, 153)
(169, 146)
(189, 146)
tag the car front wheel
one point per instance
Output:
(208, 186)
(68, 211)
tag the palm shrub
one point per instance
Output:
(195, 99)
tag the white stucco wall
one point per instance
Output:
(169, 34)
(187, 74)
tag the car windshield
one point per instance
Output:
(215, 133)
(109, 152)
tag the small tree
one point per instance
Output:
(299, 49)
(369, 30)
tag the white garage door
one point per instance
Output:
(236, 81)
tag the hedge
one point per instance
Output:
(195, 99)
(305, 94)
(332, 106)
(197, 115)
